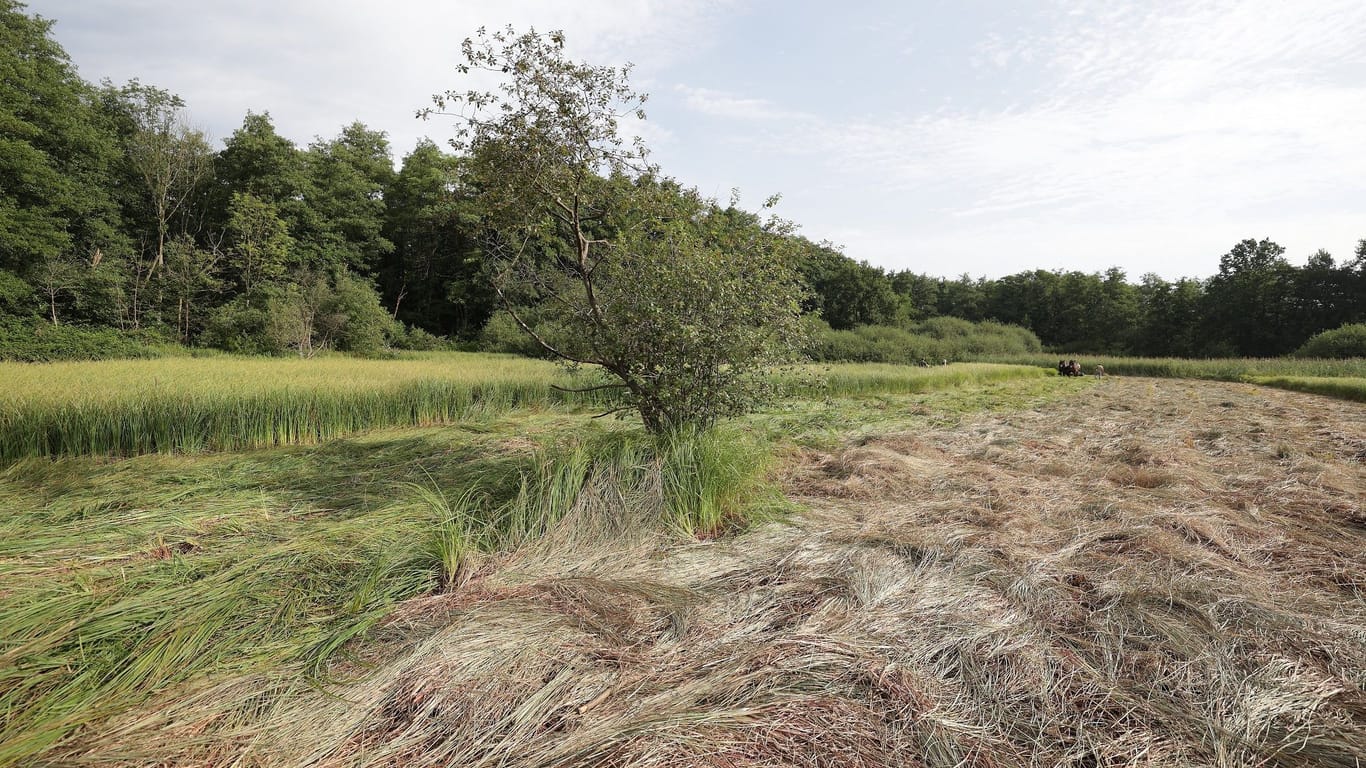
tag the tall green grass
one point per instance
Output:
(224, 403)
(1218, 369)
(132, 407)
(884, 379)
(1343, 388)
(1344, 378)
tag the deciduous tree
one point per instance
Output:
(685, 304)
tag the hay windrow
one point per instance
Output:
(1006, 592)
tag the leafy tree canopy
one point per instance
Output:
(685, 304)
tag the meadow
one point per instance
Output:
(246, 542)
(220, 403)
(960, 565)
(1344, 378)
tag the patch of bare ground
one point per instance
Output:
(1152, 573)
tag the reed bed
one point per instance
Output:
(854, 379)
(132, 407)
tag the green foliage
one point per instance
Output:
(435, 277)
(348, 176)
(259, 244)
(35, 341)
(686, 304)
(932, 341)
(502, 334)
(312, 313)
(846, 293)
(16, 295)
(1248, 300)
(359, 324)
(259, 162)
(241, 326)
(1346, 341)
(164, 160)
(55, 151)
(112, 215)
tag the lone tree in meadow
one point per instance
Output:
(684, 304)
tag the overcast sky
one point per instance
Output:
(942, 136)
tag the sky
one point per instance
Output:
(947, 137)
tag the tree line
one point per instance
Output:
(116, 212)
(1257, 305)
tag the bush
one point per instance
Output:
(243, 326)
(502, 334)
(361, 323)
(313, 314)
(32, 340)
(16, 296)
(415, 339)
(1346, 341)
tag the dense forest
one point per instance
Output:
(121, 224)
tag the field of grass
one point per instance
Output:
(121, 580)
(1218, 369)
(224, 403)
(1345, 379)
(1344, 388)
(124, 580)
(977, 565)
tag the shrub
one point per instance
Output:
(312, 314)
(32, 340)
(1343, 342)
(502, 334)
(416, 339)
(242, 326)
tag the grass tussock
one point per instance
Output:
(947, 600)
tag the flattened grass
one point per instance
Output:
(122, 582)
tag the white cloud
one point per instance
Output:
(317, 65)
(1153, 134)
(1183, 127)
(722, 104)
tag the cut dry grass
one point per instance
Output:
(998, 592)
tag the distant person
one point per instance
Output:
(1100, 370)
(1073, 368)
(1062, 368)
